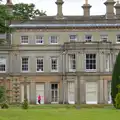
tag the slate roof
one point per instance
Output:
(62, 25)
(67, 21)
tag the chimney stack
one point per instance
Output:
(59, 4)
(110, 9)
(9, 5)
(86, 9)
(117, 7)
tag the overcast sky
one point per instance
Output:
(70, 7)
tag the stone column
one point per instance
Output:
(79, 61)
(66, 91)
(76, 91)
(82, 90)
(106, 91)
(67, 62)
(32, 92)
(48, 90)
(61, 91)
(46, 93)
(100, 92)
(111, 62)
(101, 61)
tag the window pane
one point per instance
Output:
(54, 63)
(91, 61)
(54, 39)
(72, 62)
(25, 64)
(39, 39)
(2, 64)
(24, 39)
(40, 64)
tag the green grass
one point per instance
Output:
(60, 114)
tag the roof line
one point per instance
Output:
(62, 25)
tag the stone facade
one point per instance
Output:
(87, 38)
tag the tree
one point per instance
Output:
(4, 17)
(20, 12)
(23, 11)
(115, 79)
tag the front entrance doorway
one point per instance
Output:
(71, 92)
(91, 93)
(54, 93)
(40, 91)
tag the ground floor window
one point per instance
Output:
(54, 93)
(91, 93)
(109, 92)
(71, 92)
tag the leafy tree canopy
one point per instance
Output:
(20, 11)
(4, 16)
(23, 11)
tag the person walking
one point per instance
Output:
(39, 99)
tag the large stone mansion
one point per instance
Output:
(65, 59)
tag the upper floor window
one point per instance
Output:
(54, 64)
(118, 38)
(72, 62)
(25, 64)
(90, 62)
(24, 39)
(40, 64)
(104, 38)
(88, 38)
(54, 39)
(107, 62)
(2, 64)
(73, 38)
(39, 39)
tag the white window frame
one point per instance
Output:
(88, 40)
(23, 40)
(73, 40)
(91, 70)
(40, 39)
(55, 98)
(71, 69)
(104, 38)
(50, 39)
(51, 64)
(41, 58)
(4, 58)
(117, 38)
(109, 92)
(107, 62)
(28, 63)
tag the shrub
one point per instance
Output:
(2, 94)
(4, 105)
(117, 101)
(25, 104)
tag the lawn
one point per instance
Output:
(60, 114)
